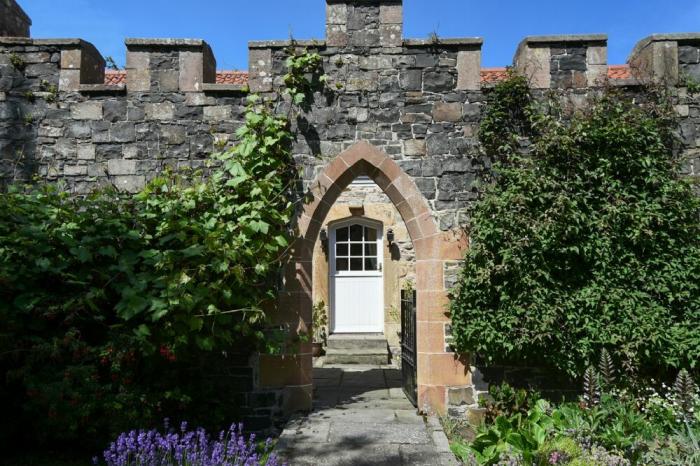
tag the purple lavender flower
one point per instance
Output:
(191, 448)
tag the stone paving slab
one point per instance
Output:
(361, 417)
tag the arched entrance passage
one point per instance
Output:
(437, 369)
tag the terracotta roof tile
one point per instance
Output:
(114, 78)
(619, 72)
(232, 77)
(488, 75)
(492, 75)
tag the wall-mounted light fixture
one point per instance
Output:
(324, 236)
(390, 236)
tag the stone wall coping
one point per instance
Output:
(449, 41)
(102, 88)
(564, 38)
(161, 42)
(624, 82)
(672, 37)
(213, 87)
(276, 44)
(29, 41)
(557, 39)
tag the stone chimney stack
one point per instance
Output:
(14, 22)
(364, 23)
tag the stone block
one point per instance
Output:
(438, 81)
(411, 80)
(121, 167)
(260, 70)
(218, 113)
(172, 134)
(69, 80)
(86, 111)
(130, 183)
(390, 35)
(391, 14)
(689, 54)
(168, 80)
(161, 111)
(414, 147)
(336, 13)
(336, 36)
(534, 63)
(196, 69)
(597, 55)
(74, 170)
(71, 59)
(460, 395)
(86, 151)
(596, 75)
(443, 111)
(123, 132)
(469, 70)
(138, 80)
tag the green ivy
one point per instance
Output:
(588, 241)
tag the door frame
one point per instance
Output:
(332, 228)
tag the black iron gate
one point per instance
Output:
(408, 345)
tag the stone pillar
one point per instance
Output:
(370, 23)
(169, 65)
(666, 58)
(14, 22)
(569, 61)
(81, 63)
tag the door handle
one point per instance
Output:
(379, 267)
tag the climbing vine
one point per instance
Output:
(587, 238)
(108, 301)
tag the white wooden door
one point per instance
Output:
(357, 290)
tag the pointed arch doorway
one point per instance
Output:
(437, 369)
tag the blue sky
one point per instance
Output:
(228, 24)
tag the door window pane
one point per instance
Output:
(356, 263)
(341, 264)
(371, 264)
(356, 250)
(370, 234)
(341, 249)
(371, 250)
(341, 234)
(356, 233)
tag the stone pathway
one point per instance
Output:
(361, 417)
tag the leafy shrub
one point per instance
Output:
(683, 448)
(520, 434)
(588, 241)
(186, 447)
(117, 310)
(505, 400)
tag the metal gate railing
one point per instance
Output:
(408, 345)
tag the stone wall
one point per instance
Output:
(14, 22)
(418, 103)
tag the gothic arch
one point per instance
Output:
(437, 369)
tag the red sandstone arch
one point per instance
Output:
(437, 369)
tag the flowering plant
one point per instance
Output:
(188, 448)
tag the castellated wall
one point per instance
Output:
(418, 101)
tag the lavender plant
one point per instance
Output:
(188, 448)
